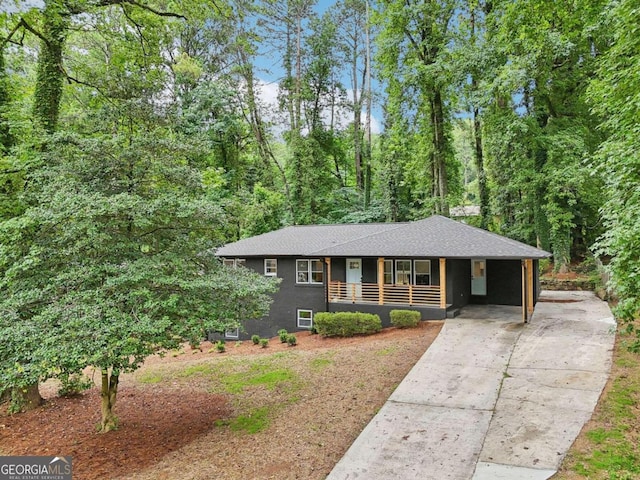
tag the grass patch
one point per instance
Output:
(387, 351)
(320, 363)
(198, 369)
(256, 376)
(254, 422)
(608, 447)
(150, 377)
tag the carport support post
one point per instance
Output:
(529, 263)
(443, 283)
(524, 291)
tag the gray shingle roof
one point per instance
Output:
(435, 236)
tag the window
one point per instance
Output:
(309, 271)
(232, 332)
(305, 318)
(271, 267)
(388, 272)
(422, 272)
(403, 272)
(234, 262)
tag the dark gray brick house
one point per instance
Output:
(436, 265)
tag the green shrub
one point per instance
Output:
(255, 339)
(283, 334)
(264, 342)
(346, 324)
(220, 346)
(292, 340)
(405, 318)
(74, 384)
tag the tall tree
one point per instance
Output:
(615, 95)
(540, 126)
(112, 262)
(414, 48)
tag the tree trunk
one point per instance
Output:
(108, 394)
(6, 138)
(440, 154)
(357, 112)
(50, 76)
(483, 191)
(26, 398)
(367, 68)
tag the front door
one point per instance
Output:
(478, 277)
(354, 277)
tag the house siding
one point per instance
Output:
(286, 301)
(458, 282)
(504, 287)
(504, 282)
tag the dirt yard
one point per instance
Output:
(249, 413)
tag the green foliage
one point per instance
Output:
(320, 363)
(74, 384)
(282, 333)
(613, 452)
(111, 260)
(264, 342)
(291, 339)
(614, 95)
(255, 339)
(405, 318)
(346, 324)
(151, 377)
(220, 346)
(255, 421)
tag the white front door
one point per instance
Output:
(354, 277)
(478, 277)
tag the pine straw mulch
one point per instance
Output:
(182, 426)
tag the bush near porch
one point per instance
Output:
(405, 318)
(346, 324)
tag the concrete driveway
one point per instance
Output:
(492, 398)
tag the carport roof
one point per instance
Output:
(436, 236)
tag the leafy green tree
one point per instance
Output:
(413, 51)
(113, 261)
(539, 127)
(615, 95)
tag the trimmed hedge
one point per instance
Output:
(346, 324)
(405, 318)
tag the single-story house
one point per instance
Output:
(436, 265)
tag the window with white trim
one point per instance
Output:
(309, 271)
(305, 318)
(271, 267)
(232, 333)
(422, 272)
(403, 272)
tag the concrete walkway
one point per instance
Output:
(492, 398)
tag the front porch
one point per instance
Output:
(350, 289)
(385, 294)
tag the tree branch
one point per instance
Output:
(106, 3)
(22, 23)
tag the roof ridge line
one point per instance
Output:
(396, 227)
